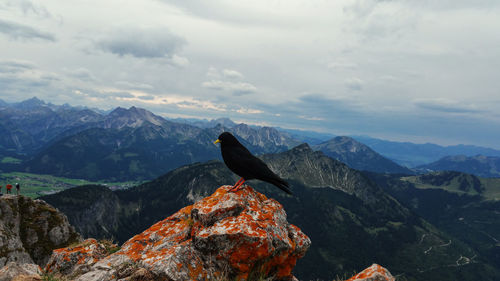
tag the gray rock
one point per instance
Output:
(31, 229)
(12, 270)
(96, 275)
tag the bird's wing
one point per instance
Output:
(240, 161)
(250, 167)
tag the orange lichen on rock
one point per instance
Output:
(85, 254)
(228, 235)
(373, 273)
(256, 229)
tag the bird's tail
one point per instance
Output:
(282, 184)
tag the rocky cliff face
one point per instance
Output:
(31, 229)
(226, 236)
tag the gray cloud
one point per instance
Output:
(118, 94)
(19, 84)
(94, 93)
(370, 60)
(82, 74)
(446, 106)
(326, 108)
(237, 88)
(21, 31)
(142, 43)
(232, 74)
(354, 84)
(146, 97)
(132, 85)
(23, 76)
(342, 64)
(19, 80)
(227, 80)
(27, 7)
(15, 66)
(225, 11)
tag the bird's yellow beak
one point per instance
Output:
(217, 141)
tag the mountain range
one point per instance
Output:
(205, 124)
(351, 220)
(127, 144)
(29, 125)
(480, 165)
(124, 144)
(412, 155)
(135, 144)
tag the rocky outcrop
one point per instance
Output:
(77, 259)
(17, 272)
(373, 273)
(30, 230)
(226, 236)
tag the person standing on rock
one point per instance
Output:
(8, 187)
(17, 188)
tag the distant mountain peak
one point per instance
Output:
(302, 148)
(137, 110)
(264, 136)
(226, 122)
(359, 156)
(350, 144)
(133, 117)
(118, 110)
(243, 126)
(30, 103)
(34, 99)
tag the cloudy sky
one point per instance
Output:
(420, 71)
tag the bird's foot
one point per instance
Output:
(237, 188)
(238, 185)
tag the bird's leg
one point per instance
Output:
(238, 185)
(238, 182)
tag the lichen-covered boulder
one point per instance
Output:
(227, 236)
(20, 271)
(373, 273)
(76, 259)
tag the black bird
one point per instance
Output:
(239, 160)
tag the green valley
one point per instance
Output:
(35, 185)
